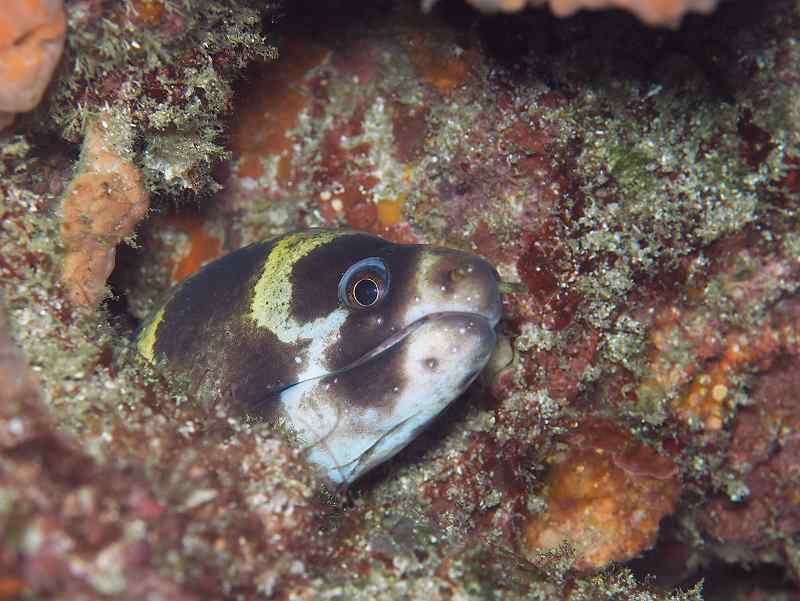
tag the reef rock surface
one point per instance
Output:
(637, 189)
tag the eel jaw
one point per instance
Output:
(385, 345)
(402, 334)
(358, 417)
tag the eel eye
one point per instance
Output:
(365, 292)
(364, 284)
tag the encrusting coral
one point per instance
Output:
(652, 12)
(101, 207)
(31, 40)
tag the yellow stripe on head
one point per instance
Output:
(271, 306)
(146, 341)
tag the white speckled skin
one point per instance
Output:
(348, 436)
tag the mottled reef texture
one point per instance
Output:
(639, 187)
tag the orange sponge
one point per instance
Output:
(606, 496)
(101, 207)
(31, 40)
(653, 12)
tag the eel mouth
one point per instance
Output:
(389, 343)
(395, 339)
(399, 336)
(363, 414)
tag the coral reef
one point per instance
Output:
(638, 191)
(699, 356)
(58, 499)
(652, 12)
(31, 41)
(102, 205)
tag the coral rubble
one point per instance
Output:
(32, 37)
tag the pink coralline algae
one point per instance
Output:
(31, 40)
(765, 451)
(652, 12)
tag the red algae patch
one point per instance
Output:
(606, 496)
(273, 109)
(203, 246)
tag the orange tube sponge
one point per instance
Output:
(606, 497)
(101, 206)
(31, 40)
(653, 12)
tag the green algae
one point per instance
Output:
(173, 77)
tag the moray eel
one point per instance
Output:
(349, 342)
